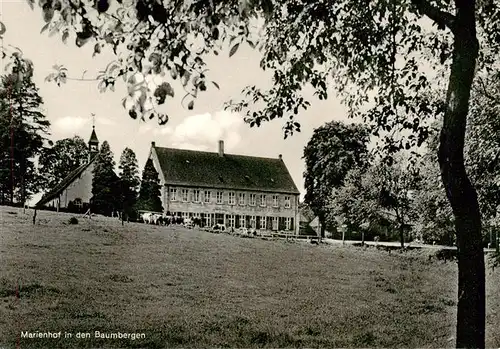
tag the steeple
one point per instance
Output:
(93, 142)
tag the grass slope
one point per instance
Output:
(188, 288)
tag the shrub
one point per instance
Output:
(73, 220)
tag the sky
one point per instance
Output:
(70, 106)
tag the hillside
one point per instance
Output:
(183, 287)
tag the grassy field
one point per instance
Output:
(189, 288)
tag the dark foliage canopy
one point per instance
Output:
(23, 131)
(149, 194)
(105, 182)
(58, 161)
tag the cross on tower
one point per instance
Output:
(93, 120)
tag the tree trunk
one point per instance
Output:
(459, 190)
(321, 218)
(401, 228)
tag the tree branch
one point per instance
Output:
(485, 91)
(442, 18)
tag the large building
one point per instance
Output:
(235, 190)
(76, 188)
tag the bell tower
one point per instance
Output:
(93, 141)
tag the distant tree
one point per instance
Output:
(105, 182)
(129, 181)
(58, 161)
(371, 194)
(434, 217)
(355, 203)
(333, 150)
(482, 148)
(149, 194)
(23, 131)
(396, 185)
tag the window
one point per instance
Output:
(287, 202)
(241, 199)
(242, 222)
(185, 215)
(207, 195)
(173, 194)
(288, 223)
(208, 220)
(253, 222)
(78, 203)
(263, 200)
(252, 199)
(219, 197)
(196, 196)
(232, 221)
(184, 195)
(275, 223)
(263, 220)
(232, 198)
(275, 200)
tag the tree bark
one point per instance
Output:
(322, 229)
(459, 190)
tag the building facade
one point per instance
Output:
(235, 190)
(76, 189)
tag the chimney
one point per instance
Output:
(153, 144)
(221, 148)
(280, 157)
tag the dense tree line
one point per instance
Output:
(30, 163)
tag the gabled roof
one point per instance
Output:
(206, 169)
(59, 188)
(303, 218)
(315, 222)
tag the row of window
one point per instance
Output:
(219, 196)
(241, 221)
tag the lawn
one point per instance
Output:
(189, 288)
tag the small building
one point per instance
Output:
(76, 188)
(235, 190)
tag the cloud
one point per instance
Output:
(70, 124)
(162, 130)
(203, 131)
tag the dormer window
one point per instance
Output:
(221, 179)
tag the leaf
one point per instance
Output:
(48, 14)
(54, 31)
(2, 28)
(97, 49)
(191, 105)
(65, 37)
(50, 77)
(234, 49)
(252, 45)
(216, 85)
(45, 27)
(132, 113)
